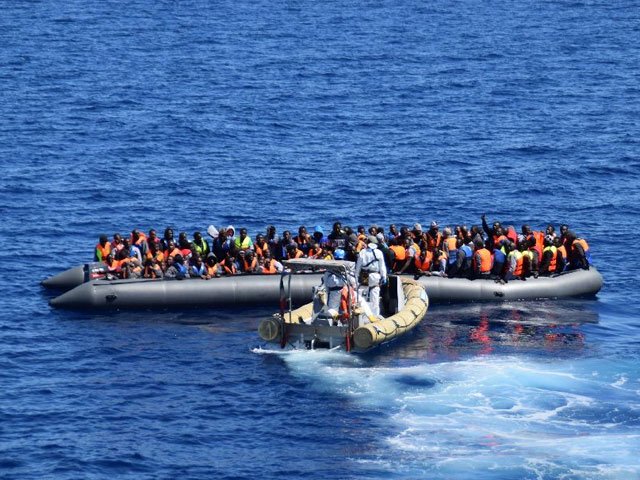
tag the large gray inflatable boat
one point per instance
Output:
(264, 290)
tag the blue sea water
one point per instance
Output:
(117, 115)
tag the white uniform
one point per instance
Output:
(371, 260)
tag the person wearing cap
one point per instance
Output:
(433, 237)
(417, 232)
(103, 249)
(371, 272)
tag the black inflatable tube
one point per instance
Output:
(264, 290)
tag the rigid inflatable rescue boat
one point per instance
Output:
(264, 290)
(352, 325)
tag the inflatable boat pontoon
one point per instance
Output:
(264, 290)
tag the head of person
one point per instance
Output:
(526, 229)
(222, 234)
(564, 228)
(550, 230)
(117, 238)
(168, 233)
(211, 260)
(197, 237)
(271, 231)
(373, 229)
(178, 259)
(372, 240)
(393, 229)
(103, 240)
(337, 227)
(361, 230)
(243, 233)
(231, 231)
(417, 229)
(153, 235)
(110, 259)
(286, 236)
(446, 232)
(433, 228)
(478, 244)
(171, 245)
(249, 254)
(259, 238)
(135, 235)
(196, 259)
(318, 233)
(302, 231)
(498, 230)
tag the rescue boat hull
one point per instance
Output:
(263, 290)
(290, 330)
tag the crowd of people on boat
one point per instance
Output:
(497, 252)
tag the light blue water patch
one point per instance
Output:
(509, 417)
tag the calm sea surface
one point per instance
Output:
(140, 114)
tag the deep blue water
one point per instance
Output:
(117, 115)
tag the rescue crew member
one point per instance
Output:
(371, 272)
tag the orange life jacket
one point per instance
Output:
(562, 250)
(485, 260)
(212, 270)
(582, 242)
(250, 267)
(498, 239)
(424, 265)
(104, 251)
(451, 243)
(141, 239)
(298, 253)
(400, 252)
(432, 243)
(346, 298)
(519, 266)
(269, 267)
(539, 236)
(229, 269)
(553, 261)
(260, 250)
